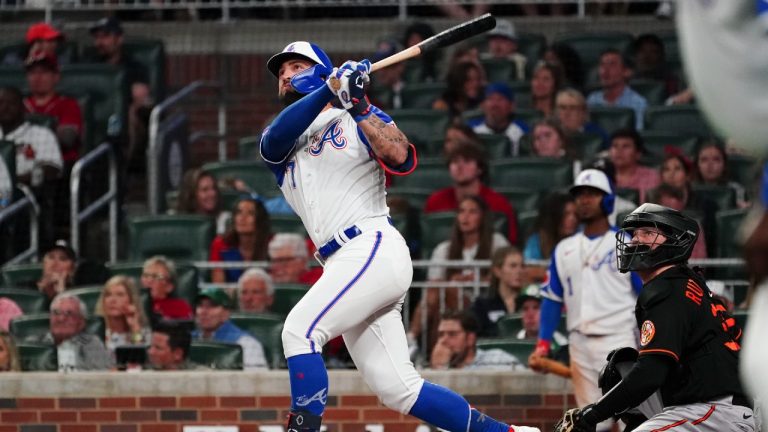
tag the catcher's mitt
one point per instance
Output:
(572, 421)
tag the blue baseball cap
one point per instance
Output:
(500, 88)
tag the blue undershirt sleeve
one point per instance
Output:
(279, 138)
(550, 318)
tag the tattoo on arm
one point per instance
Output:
(387, 141)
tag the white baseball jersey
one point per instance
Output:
(583, 276)
(331, 180)
(35, 145)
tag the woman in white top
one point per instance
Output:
(120, 305)
(472, 238)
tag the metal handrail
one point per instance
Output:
(77, 217)
(18, 206)
(153, 150)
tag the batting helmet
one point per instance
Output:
(309, 79)
(680, 231)
(596, 179)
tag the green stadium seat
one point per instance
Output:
(287, 224)
(216, 355)
(497, 146)
(29, 300)
(526, 220)
(13, 76)
(653, 91)
(267, 328)
(529, 116)
(21, 275)
(499, 69)
(612, 118)
(32, 327)
(286, 297)
(88, 295)
(539, 173)
(413, 71)
(683, 119)
(723, 196)
(656, 141)
(629, 194)
(8, 155)
(254, 173)
(740, 293)
(416, 197)
(435, 228)
(728, 223)
(744, 169)
(421, 95)
(532, 46)
(522, 92)
(187, 277)
(510, 325)
(519, 348)
(248, 147)
(671, 46)
(472, 115)
(37, 357)
(590, 45)
(179, 237)
(430, 174)
(522, 198)
(420, 125)
(586, 145)
(229, 198)
(108, 90)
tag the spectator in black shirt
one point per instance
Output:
(107, 34)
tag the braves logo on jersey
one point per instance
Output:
(333, 135)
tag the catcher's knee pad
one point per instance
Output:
(619, 362)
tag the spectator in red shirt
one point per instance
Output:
(159, 276)
(468, 166)
(42, 77)
(289, 260)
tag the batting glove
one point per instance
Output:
(363, 66)
(351, 94)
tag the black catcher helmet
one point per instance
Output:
(681, 232)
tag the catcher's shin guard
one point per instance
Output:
(303, 421)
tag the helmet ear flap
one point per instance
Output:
(310, 79)
(607, 204)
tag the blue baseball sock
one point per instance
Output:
(309, 383)
(447, 410)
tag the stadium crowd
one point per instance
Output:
(501, 136)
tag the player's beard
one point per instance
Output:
(289, 97)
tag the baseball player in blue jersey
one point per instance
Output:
(583, 277)
(329, 150)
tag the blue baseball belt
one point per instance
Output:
(338, 240)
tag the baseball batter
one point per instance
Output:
(328, 150)
(689, 348)
(583, 277)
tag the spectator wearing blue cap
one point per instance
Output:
(499, 116)
(387, 85)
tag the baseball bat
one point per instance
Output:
(546, 364)
(445, 38)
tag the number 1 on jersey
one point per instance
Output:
(291, 166)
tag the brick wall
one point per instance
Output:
(348, 413)
(155, 402)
